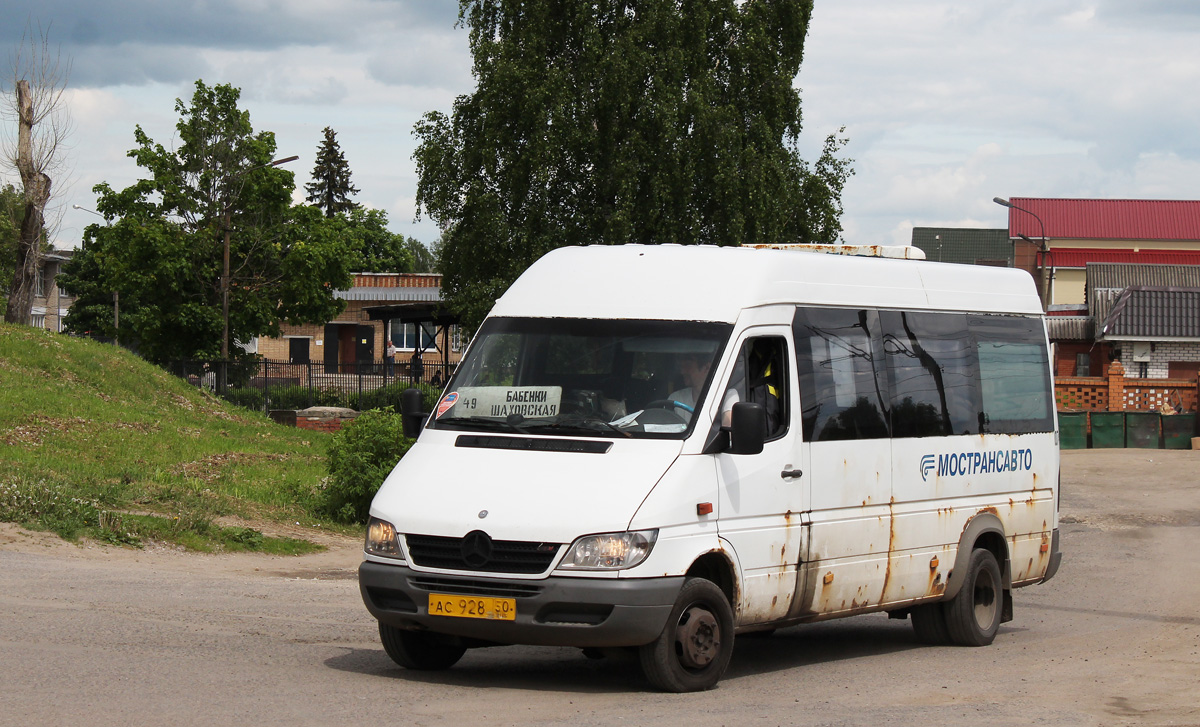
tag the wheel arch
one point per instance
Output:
(985, 530)
(716, 566)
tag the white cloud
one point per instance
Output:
(946, 104)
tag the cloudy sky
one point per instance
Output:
(946, 104)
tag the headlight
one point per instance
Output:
(381, 539)
(610, 551)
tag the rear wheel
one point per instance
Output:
(420, 650)
(973, 616)
(929, 623)
(694, 648)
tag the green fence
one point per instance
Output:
(1126, 429)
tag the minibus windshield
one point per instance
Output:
(583, 377)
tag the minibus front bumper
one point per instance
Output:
(555, 611)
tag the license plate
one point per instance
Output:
(504, 609)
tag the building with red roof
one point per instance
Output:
(1055, 239)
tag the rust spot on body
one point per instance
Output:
(887, 575)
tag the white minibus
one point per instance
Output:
(653, 449)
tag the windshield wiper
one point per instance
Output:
(587, 424)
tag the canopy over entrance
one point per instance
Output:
(420, 313)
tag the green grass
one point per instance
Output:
(97, 443)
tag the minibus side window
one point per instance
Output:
(1014, 374)
(840, 363)
(933, 374)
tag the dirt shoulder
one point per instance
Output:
(339, 559)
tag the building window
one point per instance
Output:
(1083, 364)
(39, 284)
(405, 336)
(37, 320)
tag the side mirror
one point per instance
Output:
(748, 428)
(411, 416)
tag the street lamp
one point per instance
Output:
(85, 209)
(225, 260)
(1047, 284)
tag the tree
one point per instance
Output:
(615, 122)
(12, 211)
(35, 102)
(424, 259)
(373, 248)
(330, 188)
(162, 249)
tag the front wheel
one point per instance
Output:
(973, 616)
(420, 650)
(694, 648)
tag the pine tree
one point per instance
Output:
(330, 188)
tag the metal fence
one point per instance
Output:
(263, 385)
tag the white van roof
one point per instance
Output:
(709, 283)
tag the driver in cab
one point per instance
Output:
(693, 369)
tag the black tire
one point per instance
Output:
(973, 616)
(929, 623)
(694, 648)
(420, 650)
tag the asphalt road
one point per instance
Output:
(107, 636)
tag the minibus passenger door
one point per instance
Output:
(844, 417)
(764, 495)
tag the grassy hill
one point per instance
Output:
(96, 442)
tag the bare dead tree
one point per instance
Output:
(36, 104)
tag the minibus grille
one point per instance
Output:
(478, 552)
(476, 588)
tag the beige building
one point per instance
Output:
(406, 306)
(50, 303)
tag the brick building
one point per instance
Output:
(406, 305)
(1055, 239)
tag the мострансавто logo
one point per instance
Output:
(977, 463)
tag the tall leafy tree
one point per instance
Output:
(424, 259)
(162, 245)
(12, 212)
(373, 248)
(648, 121)
(330, 188)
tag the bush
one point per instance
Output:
(360, 457)
(245, 397)
(389, 396)
(301, 397)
